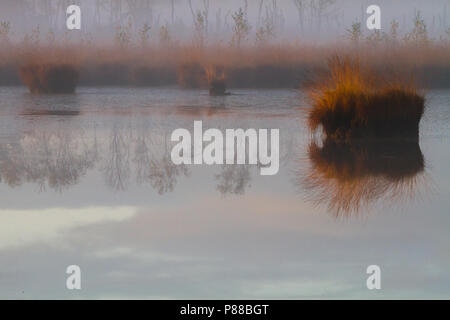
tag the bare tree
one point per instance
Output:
(200, 20)
(301, 6)
(241, 28)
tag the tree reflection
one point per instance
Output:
(12, 168)
(153, 162)
(117, 162)
(233, 179)
(142, 156)
(56, 155)
(51, 158)
(163, 174)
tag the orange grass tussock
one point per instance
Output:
(357, 102)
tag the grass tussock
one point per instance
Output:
(216, 80)
(49, 78)
(349, 176)
(357, 102)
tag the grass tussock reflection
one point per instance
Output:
(348, 176)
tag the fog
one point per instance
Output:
(291, 20)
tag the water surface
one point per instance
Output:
(87, 179)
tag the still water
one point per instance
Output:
(87, 179)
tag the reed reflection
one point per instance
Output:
(348, 176)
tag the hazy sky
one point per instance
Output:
(333, 19)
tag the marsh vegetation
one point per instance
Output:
(150, 52)
(355, 102)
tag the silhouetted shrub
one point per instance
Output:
(49, 78)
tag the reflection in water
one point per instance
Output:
(59, 139)
(130, 149)
(49, 112)
(53, 158)
(233, 179)
(202, 112)
(50, 105)
(349, 176)
(117, 163)
(163, 174)
(56, 155)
